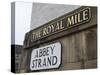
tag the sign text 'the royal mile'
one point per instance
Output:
(62, 23)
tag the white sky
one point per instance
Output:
(22, 20)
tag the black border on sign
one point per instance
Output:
(42, 70)
(62, 17)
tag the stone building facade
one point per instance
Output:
(77, 35)
(16, 52)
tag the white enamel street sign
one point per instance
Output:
(46, 57)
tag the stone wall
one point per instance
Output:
(78, 46)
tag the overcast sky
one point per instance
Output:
(22, 20)
(31, 15)
(45, 12)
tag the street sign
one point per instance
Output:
(62, 23)
(46, 57)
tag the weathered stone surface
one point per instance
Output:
(78, 45)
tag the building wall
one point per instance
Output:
(78, 50)
(78, 45)
(16, 54)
